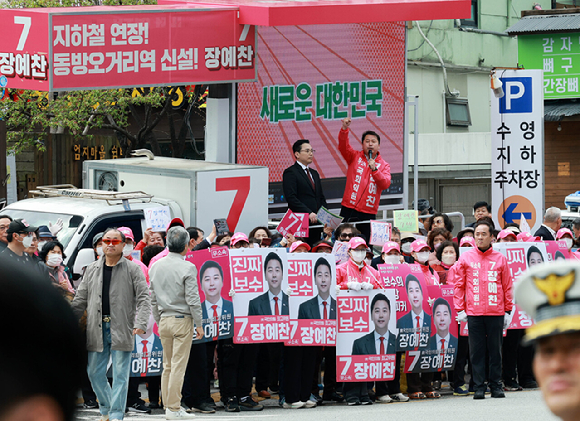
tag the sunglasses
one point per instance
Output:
(346, 235)
(114, 241)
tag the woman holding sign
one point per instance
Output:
(355, 275)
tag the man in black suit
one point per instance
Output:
(380, 340)
(551, 225)
(273, 302)
(302, 187)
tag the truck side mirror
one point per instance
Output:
(84, 258)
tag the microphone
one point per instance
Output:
(370, 155)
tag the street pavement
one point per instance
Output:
(524, 405)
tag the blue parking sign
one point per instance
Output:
(518, 95)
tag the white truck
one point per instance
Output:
(117, 192)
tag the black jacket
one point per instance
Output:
(298, 192)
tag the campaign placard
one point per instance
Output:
(312, 278)
(557, 250)
(413, 311)
(157, 219)
(147, 354)
(366, 336)
(441, 352)
(294, 223)
(214, 281)
(261, 306)
(521, 256)
(340, 252)
(380, 233)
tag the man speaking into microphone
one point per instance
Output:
(368, 174)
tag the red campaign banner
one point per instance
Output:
(557, 250)
(294, 223)
(312, 278)
(366, 341)
(365, 368)
(260, 282)
(214, 281)
(441, 351)
(401, 277)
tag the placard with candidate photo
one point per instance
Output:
(261, 306)
(557, 250)
(147, 354)
(366, 340)
(441, 352)
(312, 278)
(213, 278)
(413, 311)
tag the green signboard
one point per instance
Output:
(558, 55)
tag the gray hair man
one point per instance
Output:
(551, 225)
(111, 289)
(176, 308)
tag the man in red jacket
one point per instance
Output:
(483, 298)
(368, 174)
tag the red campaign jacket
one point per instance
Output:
(482, 283)
(349, 272)
(430, 278)
(363, 186)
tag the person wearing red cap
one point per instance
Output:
(566, 235)
(355, 274)
(420, 252)
(239, 240)
(368, 175)
(507, 236)
(483, 297)
(299, 247)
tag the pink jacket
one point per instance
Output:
(482, 281)
(349, 272)
(430, 278)
(142, 266)
(363, 186)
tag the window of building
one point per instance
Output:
(472, 22)
(457, 110)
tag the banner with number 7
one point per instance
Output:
(294, 223)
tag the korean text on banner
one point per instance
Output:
(517, 149)
(312, 278)
(380, 233)
(294, 223)
(158, 219)
(441, 352)
(340, 252)
(366, 340)
(214, 280)
(325, 217)
(259, 280)
(406, 220)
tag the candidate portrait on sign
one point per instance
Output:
(273, 302)
(442, 339)
(322, 306)
(381, 340)
(214, 308)
(415, 318)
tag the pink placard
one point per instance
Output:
(294, 223)
(261, 329)
(362, 368)
(312, 332)
(169, 47)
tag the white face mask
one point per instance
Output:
(406, 248)
(54, 260)
(100, 251)
(41, 245)
(27, 241)
(422, 256)
(358, 255)
(127, 250)
(392, 259)
(569, 242)
(448, 259)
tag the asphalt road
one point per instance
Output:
(524, 405)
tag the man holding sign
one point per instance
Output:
(368, 174)
(302, 186)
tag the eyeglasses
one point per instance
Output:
(114, 241)
(346, 235)
(308, 151)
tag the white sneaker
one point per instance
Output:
(178, 415)
(384, 399)
(309, 404)
(295, 405)
(399, 397)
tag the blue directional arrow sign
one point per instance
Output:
(510, 216)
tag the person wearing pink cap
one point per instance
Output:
(526, 237)
(483, 297)
(239, 240)
(507, 236)
(566, 235)
(420, 252)
(355, 274)
(128, 249)
(299, 247)
(391, 253)
(467, 242)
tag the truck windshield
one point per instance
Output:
(37, 218)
